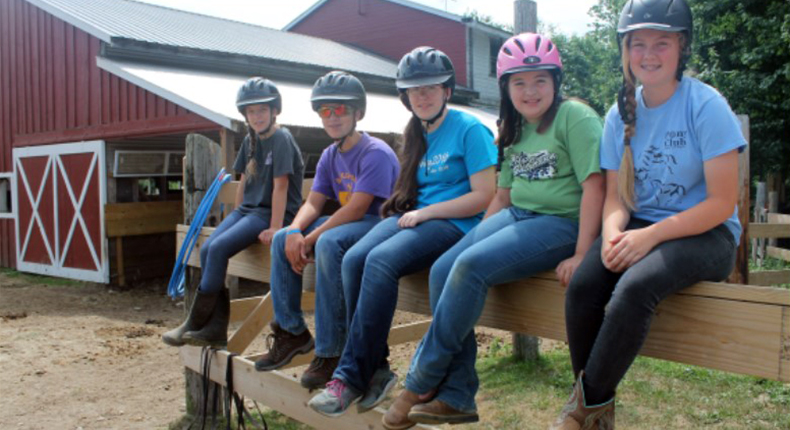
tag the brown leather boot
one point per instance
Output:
(283, 346)
(438, 412)
(577, 415)
(397, 416)
(319, 372)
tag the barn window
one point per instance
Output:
(6, 209)
(494, 44)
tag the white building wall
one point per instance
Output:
(482, 80)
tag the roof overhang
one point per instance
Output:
(212, 95)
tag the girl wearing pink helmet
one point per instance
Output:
(545, 215)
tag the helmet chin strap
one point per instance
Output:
(342, 140)
(271, 123)
(429, 122)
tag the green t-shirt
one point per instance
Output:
(544, 171)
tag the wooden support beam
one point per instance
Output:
(252, 326)
(240, 309)
(281, 392)
(119, 261)
(408, 332)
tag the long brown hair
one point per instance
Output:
(252, 166)
(627, 103)
(404, 196)
(511, 122)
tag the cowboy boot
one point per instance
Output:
(577, 415)
(215, 331)
(199, 314)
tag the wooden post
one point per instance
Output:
(740, 274)
(201, 165)
(526, 20)
(758, 244)
(773, 207)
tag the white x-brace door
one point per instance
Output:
(60, 195)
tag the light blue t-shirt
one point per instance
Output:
(671, 144)
(459, 148)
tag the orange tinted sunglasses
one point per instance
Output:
(327, 111)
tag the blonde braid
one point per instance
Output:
(252, 166)
(625, 175)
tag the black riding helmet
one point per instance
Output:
(664, 15)
(258, 90)
(424, 66)
(339, 87)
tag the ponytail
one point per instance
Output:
(252, 166)
(627, 106)
(404, 196)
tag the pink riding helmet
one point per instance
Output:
(527, 52)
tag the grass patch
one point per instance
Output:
(655, 394)
(40, 279)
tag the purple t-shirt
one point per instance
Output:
(371, 167)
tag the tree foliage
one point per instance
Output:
(741, 47)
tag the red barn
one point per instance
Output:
(97, 97)
(393, 27)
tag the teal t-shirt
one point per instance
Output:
(459, 148)
(544, 171)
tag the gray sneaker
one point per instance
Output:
(383, 382)
(335, 399)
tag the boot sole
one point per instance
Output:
(303, 350)
(171, 342)
(423, 418)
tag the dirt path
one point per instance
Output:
(85, 356)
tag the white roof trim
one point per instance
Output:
(213, 96)
(304, 15)
(155, 79)
(94, 31)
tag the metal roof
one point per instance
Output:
(213, 96)
(116, 20)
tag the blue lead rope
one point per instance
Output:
(175, 288)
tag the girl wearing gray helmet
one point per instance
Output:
(268, 196)
(446, 181)
(670, 151)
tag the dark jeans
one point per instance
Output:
(608, 314)
(233, 234)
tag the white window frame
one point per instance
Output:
(12, 187)
(164, 171)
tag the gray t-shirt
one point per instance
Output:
(276, 156)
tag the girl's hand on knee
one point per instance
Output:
(628, 248)
(294, 251)
(566, 268)
(410, 219)
(266, 236)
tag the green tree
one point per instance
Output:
(742, 48)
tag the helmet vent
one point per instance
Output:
(537, 43)
(507, 51)
(520, 46)
(550, 46)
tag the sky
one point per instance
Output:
(568, 16)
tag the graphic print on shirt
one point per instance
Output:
(656, 170)
(268, 159)
(534, 166)
(437, 163)
(346, 181)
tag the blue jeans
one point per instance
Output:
(330, 307)
(232, 235)
(371, 270)
(511, 244)
(608, 315)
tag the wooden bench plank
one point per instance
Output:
(768, 230)
(770, 277)
(730, 327)
(280, 391)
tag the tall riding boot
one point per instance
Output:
(577, 415)
(215, 331)
(199, 314)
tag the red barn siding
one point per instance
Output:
(51, 91)
(387, 29)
